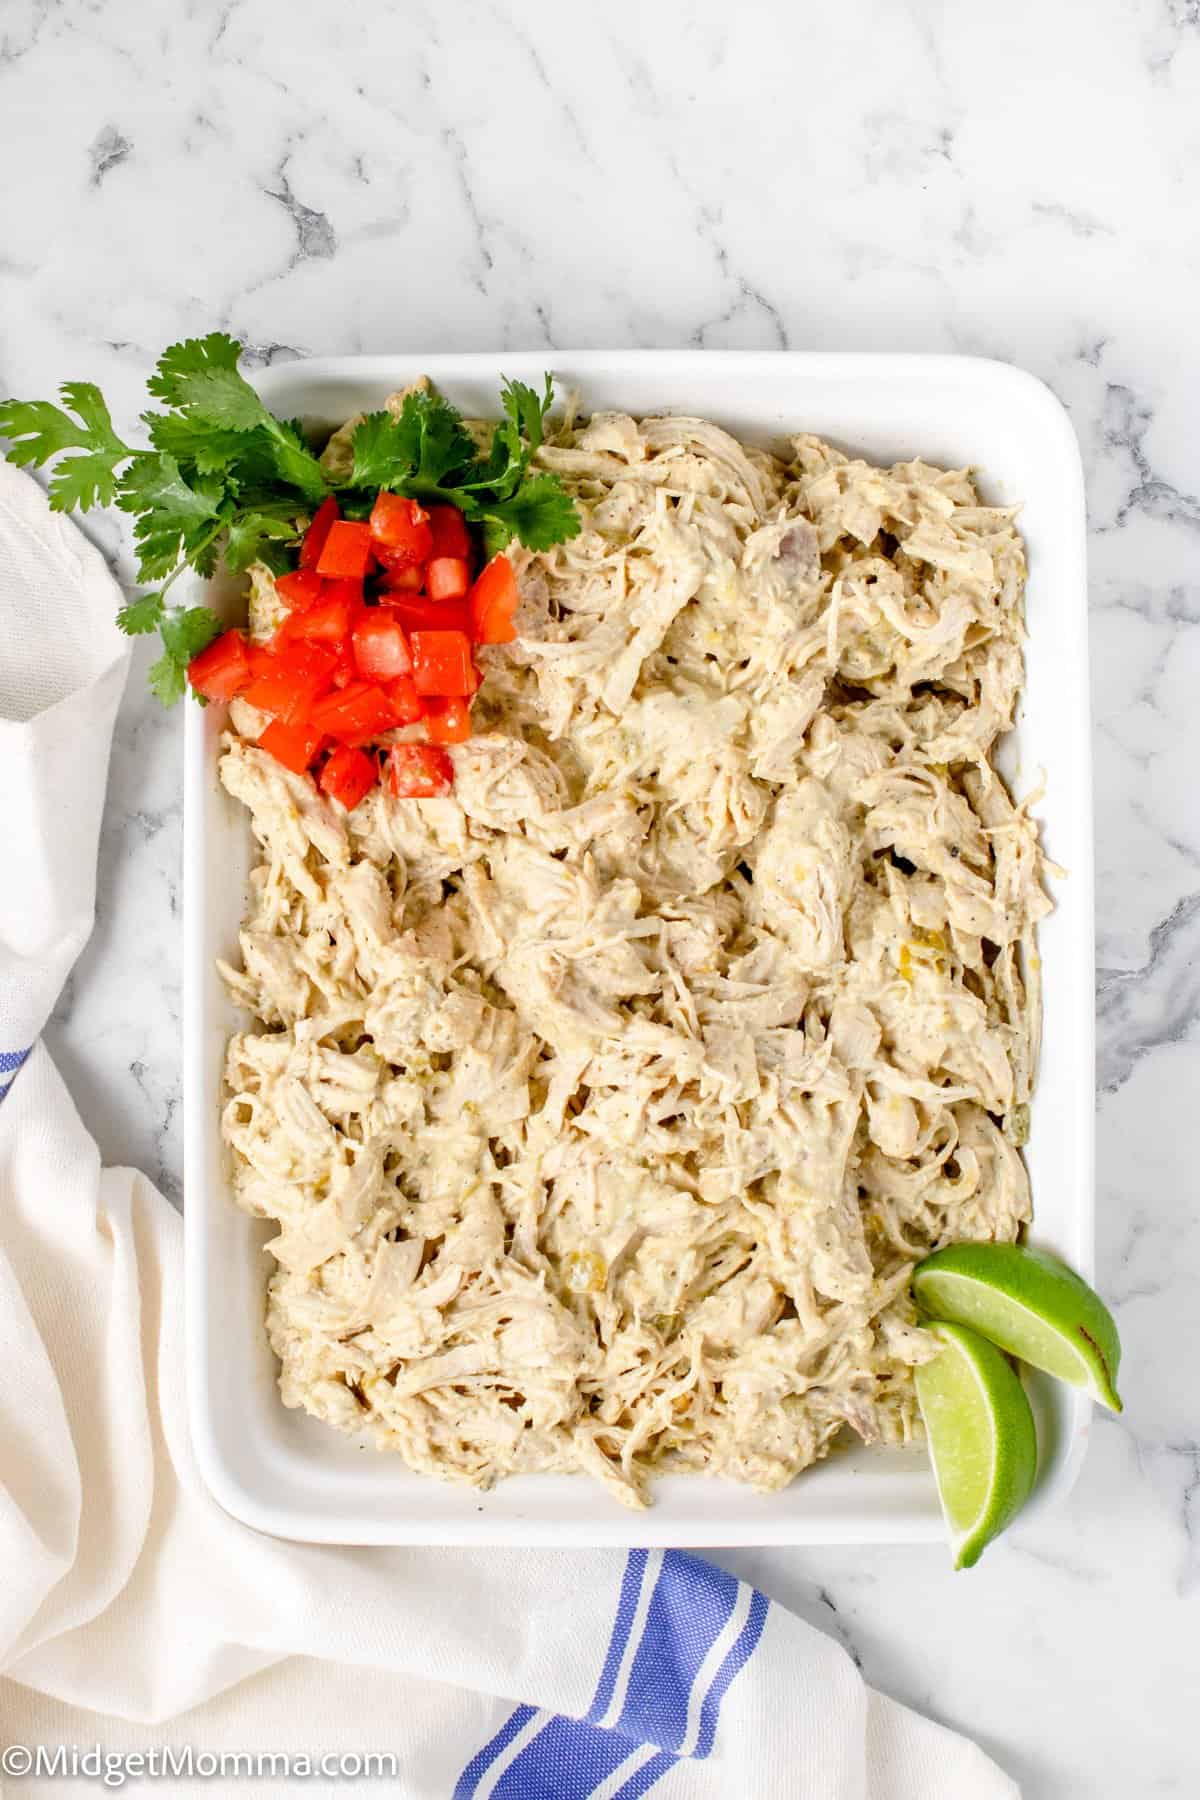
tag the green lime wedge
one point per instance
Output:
(1030, 1304)
(981, 1438)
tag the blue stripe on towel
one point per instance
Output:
(744, 1646)
(693, 1602)
(479, 1765)
(631, 1587)
(10, 1062)
(568, 1759)
(644, 1778)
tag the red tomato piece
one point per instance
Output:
(329, 621)
(318, 531)
(348, 588)
(448, 721)
(403, 578)
(355, 714)
(294, 746)
(223, 669)
(300, 589)
(493, 602)
(347, 551)
(401, 527)
(450, 534)
(418, 772)
(292, 680)
(346, 670)
(404, 697)
(417, 613)
(348, 776)
(442, 663)
(380, 650)
(447, 577)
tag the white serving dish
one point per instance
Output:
(286, 1474)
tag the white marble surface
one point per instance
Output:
(1020, 181)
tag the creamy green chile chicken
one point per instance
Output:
(605, 1105)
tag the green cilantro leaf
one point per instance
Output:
(539, 514)
(430, 432)
(201, 375)
(415, 453)
(377, 459)
(295, 463)
(185, 632)
(209, 451)
(168, 680)
(174, 517)
(526, 409)
(40, 430)
(141, 616)
(201, 379)
(428, 453)
(515, 440)
(250, 539)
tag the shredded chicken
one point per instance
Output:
(604, 1106)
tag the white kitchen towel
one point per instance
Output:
(62, 670)
(137, 1619)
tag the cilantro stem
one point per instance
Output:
(192, 556)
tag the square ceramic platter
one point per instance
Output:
(285, 1473)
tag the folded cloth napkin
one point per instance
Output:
(136, 1618)
(62, 671)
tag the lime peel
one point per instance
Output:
(1031, 1305)
(982, 1439)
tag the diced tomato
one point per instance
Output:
(380, 650)
(292, 680)
(418, 772)
(493, 602)
(356, 714)
(403, 578)
(330, 620)
(404, 697)
(295, 746)
(346, 670)
(261, 657)
(347, 550)
(347, 587)
(417, 613)
(300, 589)
(447, 577)
(348, 776)
(223, 669)
(402, 528)
(450, 534)
(448, 721)
(318, 531)
(442, 662)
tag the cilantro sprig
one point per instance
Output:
(226, 482)
(40, 430)
(428, 454)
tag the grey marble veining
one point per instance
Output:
(1018, 182)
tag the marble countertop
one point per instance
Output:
(991, 180)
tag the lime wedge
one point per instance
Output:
(1030, 1304)
(981, 1438)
